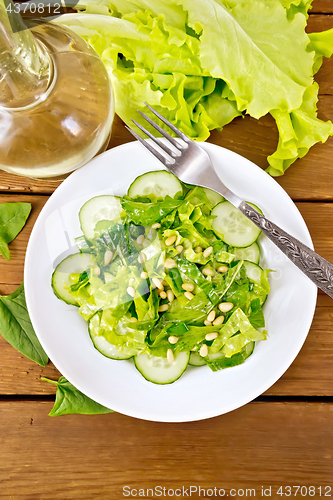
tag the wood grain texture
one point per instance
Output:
(261, 444)
(310, 374)
(321, 6)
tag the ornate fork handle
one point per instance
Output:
(318, 269)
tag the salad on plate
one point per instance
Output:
(168, 275)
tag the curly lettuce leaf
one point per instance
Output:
(299, 131)
(322, 44)
(201, 63)
(264, 72)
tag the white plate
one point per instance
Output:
(199, 393)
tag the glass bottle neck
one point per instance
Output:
(25, 66)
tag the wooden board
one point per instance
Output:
(262, 444)
(283, 440)
(322, 6)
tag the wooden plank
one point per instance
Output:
(323, 77)
(261, 444)
(310, 374)
(321, 6)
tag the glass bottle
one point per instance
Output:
(56, 102)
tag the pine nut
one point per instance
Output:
(207, 323)
(189, 295)
(218, 321)
(179, 249)
(170, 356)
(198, 249)
(170, 295)
(97, 271)
(163, 294)
(223, 269)
(225, 306)
(207, 252)
(163, 308)
(133, 319)
(189, 287)
(107, 257)
(130, 290)
(211, 336)
(157, 283)
(142, 258)
(144, 275)
(172, 339)
(203, 351)
(165, 283)
(211, 316)
(157, 225)
(140, 239)
(207, 271)
(169, 263)
(170, 241)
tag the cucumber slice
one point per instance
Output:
(233, 227)
(61, 279)
(105, 207)
(159, 183)
(253, 271)
(196, 360)
(105, 347)
(159, 370)
(213, 196)
(251, 253)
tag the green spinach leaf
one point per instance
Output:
(70, 400)
(16, 327)
(13, 217)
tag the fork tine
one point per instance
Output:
(154, 151)
(161, 144)
(170, 125)
(160, 130)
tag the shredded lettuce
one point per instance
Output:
(230, 341)
(123, 301)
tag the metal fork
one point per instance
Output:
(192, 165)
